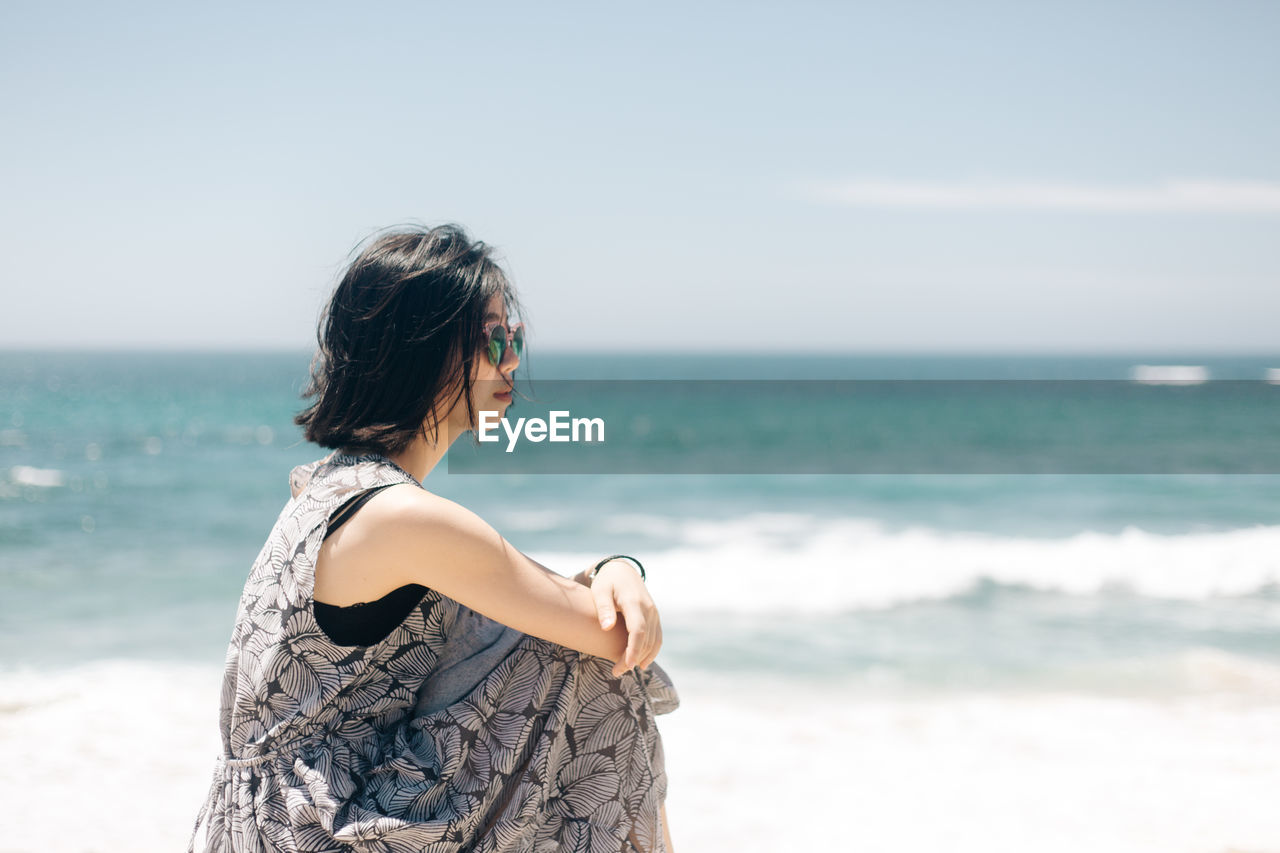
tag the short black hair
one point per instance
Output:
(400, 332)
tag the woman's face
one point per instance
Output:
(490, 383)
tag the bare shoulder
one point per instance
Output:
(411, 531)
(403, 534)
(404, 511)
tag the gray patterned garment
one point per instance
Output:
(353, 748)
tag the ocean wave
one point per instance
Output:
(774, 562)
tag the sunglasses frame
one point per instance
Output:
(508, 339)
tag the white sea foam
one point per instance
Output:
(127, 748)
(798, 563)
(1169, 374)
(40, 478)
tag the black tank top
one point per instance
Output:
(368, 622)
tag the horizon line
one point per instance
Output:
(596, 352)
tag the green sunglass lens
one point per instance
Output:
(497, 344)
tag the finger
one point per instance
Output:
(655, 644)
(648, 617)
(637, 640)
(605, 611)
(634, 620)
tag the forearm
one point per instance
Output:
(564, 612)
(535, 600)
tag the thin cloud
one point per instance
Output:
(1177, 196)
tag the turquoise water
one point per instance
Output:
(136, 489)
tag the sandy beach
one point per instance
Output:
(752, 768)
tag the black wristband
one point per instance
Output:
(600, 565)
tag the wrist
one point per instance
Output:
(632, 561)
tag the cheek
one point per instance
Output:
(487, 372)
(481, 398)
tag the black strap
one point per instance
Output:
(368, 622)
(348, 509)
(600, 565)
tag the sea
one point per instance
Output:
(892, 661)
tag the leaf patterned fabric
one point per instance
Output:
(323, 748)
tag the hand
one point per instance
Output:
(617, 588)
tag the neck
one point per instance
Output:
(421, 456)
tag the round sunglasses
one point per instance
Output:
(497, 336)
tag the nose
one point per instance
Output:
(510, 361)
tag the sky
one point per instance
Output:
(890, 177)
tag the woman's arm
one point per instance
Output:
(619, 588)
(409, 535)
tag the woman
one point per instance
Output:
(400, 678)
